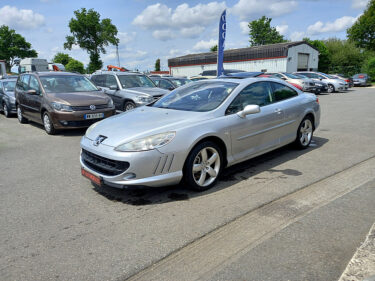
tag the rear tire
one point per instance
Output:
(203, 166)
(20, 117)
(304, 133)
(48, 125)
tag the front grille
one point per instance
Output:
(103, 165)
(87, 107)
(311, 84)
(79, 123)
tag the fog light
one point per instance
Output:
(129, 176)
(64, 122)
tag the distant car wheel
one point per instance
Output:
(20, 117)
(203, 166)
(304, 133)
(331, 88)
(6, 110)
(48, 126)
(128, 105)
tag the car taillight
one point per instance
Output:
(347, 80)
(317, 99)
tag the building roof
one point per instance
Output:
(251, 53)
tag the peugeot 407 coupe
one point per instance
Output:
(195, 131)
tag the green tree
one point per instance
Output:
(213, 48)
(262, 33)
(91, 34)
(157, 65)
(62, 58)
(345, 56)
(369, 68)
(75, 66)
(362, 33)
(14, 45)
(324, 55)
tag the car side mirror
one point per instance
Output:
(113, 87)
(170, 88)
(283, 78)
(31, 92)
(249, 109)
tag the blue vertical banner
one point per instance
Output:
(221, 42)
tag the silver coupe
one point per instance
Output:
(195, 131)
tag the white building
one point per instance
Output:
(282, 57)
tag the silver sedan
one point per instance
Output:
(195, 131)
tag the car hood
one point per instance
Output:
(152, 91)
(79, 98)
(141, 122)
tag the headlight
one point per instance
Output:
(110, 103)
(147, 143)
(144, 99)
(61, 107)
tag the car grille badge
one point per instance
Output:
(92, 107)
(99, 140)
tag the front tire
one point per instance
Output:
(331, 88)
(304, 133)
(129, 105)
(6, 110)
(48, 125)
(20, 117)
(203, 166)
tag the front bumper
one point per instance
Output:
(147, 168)
(76, 119)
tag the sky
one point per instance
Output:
(166, 29)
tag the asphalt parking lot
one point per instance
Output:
(55, 225)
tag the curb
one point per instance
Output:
(362, 265)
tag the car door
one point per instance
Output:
(1, 94)
(255, 133)
(110, 80)
(287, 100)
(35, 101)
(24, 99)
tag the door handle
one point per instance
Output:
(278, 111)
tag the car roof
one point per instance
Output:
(49, 73)
(8, 80)
(117, 72)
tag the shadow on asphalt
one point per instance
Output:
(64, 133)
(139, 196)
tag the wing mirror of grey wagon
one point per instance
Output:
(31, 92)
(113, 87)
(249, 109)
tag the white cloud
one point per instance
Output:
(338, 25)
(126, 37)
(252, 9)
(297, 36)
(184, 20)
(163, 34)
(204, 45)
(282, 29)
(20, 18)
(192, 32)
(359, 4)
(244, 25)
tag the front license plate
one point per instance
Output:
(94, 115)
(95, 179)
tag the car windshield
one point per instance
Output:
(180, 82)
(9, 86)
(291, 76)
(200, 96)
(134, 81)
(66, 84)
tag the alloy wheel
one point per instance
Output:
(47, 123)
(19, 114)
(306, 131)
(5, 109)
(206, 166)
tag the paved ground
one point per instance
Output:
(56, 226)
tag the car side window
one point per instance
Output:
(34, 84)
(25, 82)
(282, 92)
(165, 84)
(110, 81)
(157, 82)
(99, 80)
(259, 93)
